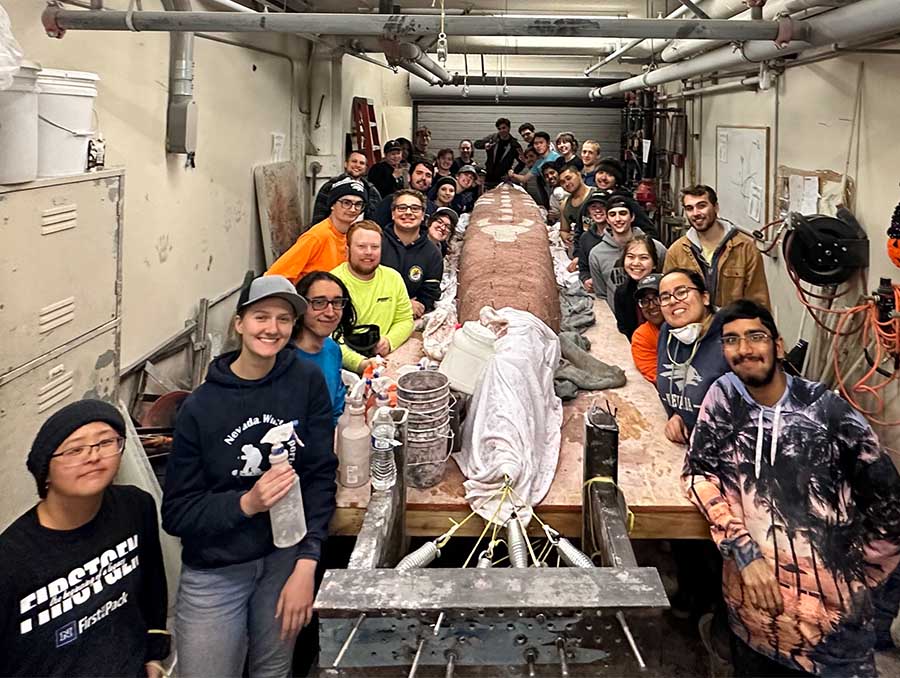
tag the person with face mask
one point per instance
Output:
(645, 339)
(803, 503)
(242, 599)
(606, 275)
(689, 351)
(421, 177)
(639, 260)
(729, 261)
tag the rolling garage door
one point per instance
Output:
(451, 122)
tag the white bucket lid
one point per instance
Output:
(75, 77)
(25, 79)
(478, 332)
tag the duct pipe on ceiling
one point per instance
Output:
(465, 45)
(539, 80)
(420, 72)
(409, 25)
(420, 91)
(181, 109)
(863, 19)
(682, 49)
(409, 52)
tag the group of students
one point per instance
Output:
(802, 502)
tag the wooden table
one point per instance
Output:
(649, 465)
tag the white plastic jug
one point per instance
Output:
(471, 348)
(353, 459)
(19, 127)
(66, 120)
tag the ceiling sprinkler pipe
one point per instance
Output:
(865, 19)
(413, 53)
(419, 72)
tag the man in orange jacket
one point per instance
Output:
(324, 246)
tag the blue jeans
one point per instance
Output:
(225, 612)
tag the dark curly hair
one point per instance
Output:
(348, 315)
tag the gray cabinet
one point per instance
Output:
(60, 299)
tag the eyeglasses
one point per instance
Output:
(678, 294)
(351, 204)
(415, 209)
(319, 303)
(648, 301)
(753, 338)
(76, 456)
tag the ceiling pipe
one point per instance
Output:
(743, 83)
(863, 19)
(409, 52)
(420, 91)
(57, 20)
(682, 49)
(538, 80)
(420, 72)
(465, 45)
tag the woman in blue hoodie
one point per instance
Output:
(689, 351)
(238, 593)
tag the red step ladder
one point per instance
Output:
(365, 129)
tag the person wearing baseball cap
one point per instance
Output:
(355, 166)
(324, 246)
(387, 175)
(467, 189)
(645, 339)
(440, 225)
(593, 226)
(82, 579)
(220, 487)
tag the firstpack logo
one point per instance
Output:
(76, 588)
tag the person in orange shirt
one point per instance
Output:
(646, 336)
(324, 246)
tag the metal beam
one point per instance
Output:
(699, 13)
(410, 25)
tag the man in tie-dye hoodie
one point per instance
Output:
(803, 504)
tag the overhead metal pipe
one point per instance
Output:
(687, 93)
(539, 80)
(420, 72)
(863, 19)
(421, 91)
(410, 52)
(181, 109)
(409, 25)
(682, 49)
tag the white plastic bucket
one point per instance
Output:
(65, 120)
(467, 356)
(19, 127)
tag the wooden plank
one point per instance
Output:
(649, 465)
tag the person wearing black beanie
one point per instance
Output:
(610, 174)
(82, 579)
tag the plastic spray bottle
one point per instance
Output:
(287, 516)
(353, 459)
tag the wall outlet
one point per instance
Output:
(278, 139)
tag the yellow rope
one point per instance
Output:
(487, 525)
(629, 520)
(441, 543)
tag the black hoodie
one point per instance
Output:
(420, 264)
(217, 456)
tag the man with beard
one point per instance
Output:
(502, 153)
(387, 175)
(803, 504)
(729, 260)
(405, 247)
(378, 293)
(421, 174)
(354, 168)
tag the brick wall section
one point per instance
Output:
(505, 259)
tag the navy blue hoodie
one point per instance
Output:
(682, 381)
(420, 264)
(217, 456)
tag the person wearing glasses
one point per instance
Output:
(82, 580)
(328, 317)
(803, 504)
(604, 258)
(441, 225)
(324, 246)
(354, 168)
(241, 599)
(690, 351)
(645, 339)
(405, 247)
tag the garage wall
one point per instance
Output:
(451, 122)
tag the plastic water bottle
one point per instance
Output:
(383, 464)
(381, 400)
(287, 516)
(353, 459)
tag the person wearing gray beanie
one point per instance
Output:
(82, 579)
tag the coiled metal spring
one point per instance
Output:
(515, 539)
(571, 556)
(421, 557)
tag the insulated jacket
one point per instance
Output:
(420, 264)
(321, 209)
(805, 486)
(736, 271)
(501, 157)
(217, 456)
(684, 372)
